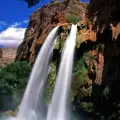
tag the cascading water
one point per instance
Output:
(32, 107)
(58, 107)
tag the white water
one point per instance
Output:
(32, 107)
(58, 107)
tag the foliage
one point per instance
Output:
(79, 39)
(31, 2)
(106, 91)
(87, 106)
(73, 19)
(80, 72)
(14, 77)
(80, 86)
(57, 45)
(100, 47)
(51, 82)
(80, 81)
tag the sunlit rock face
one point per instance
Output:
(41, 23)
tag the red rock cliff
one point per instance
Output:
(105, 14)
(41, 23)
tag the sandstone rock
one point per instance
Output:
(9, 113)
(89, 35)
(108, 33)
(110, 9)
(41, 23)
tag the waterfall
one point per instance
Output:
(31, 107)
(58, 107)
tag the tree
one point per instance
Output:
(31, 2)
(14, 76)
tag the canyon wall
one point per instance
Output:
(41, 23)
(105, 15)
(100, 41)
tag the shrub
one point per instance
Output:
(50, 83)
(73, 19)
(20, 69)
(80, 73)
(79, 82)
(13, 79)
(14, 76)
(87, 106)
(80, 85)
(106, 92)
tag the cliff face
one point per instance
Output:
(107, 8)
(108, 35)
(41, 23)
(8, 56)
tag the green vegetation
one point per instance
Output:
(31, 2)
(106, 92)
(14, 76)
(80, 86)
(100, 47)
(88, 107)
(13, 79)
(73, 19)
(80, 80)
(80, 73)
(50, 84)
(79, 39)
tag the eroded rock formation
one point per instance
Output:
(105, 15)
(41, 23)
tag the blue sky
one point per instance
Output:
(16, 11)
(14, 16)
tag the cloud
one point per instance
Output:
(12, 36)
(18, 24)
(2, 24)
(25, 21)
